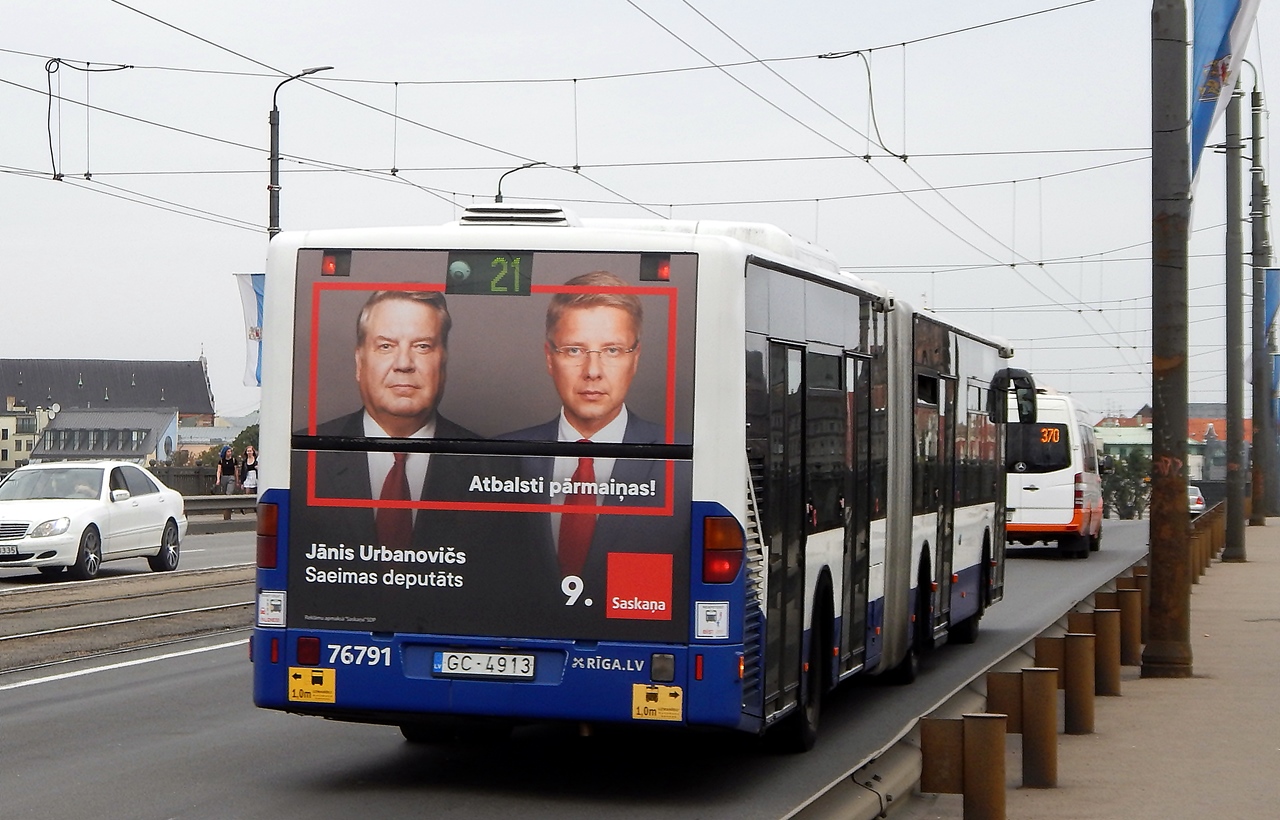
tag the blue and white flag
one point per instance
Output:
(1221, 29)
(251, 285)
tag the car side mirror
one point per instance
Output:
(119, 495)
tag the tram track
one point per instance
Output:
(57, 623)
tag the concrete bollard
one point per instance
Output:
(1078, 655)
(984, 766)
(966, 757)
(1004, 697)
(1142, 579)
(1130, 627)
(1106, 600)
(1039, 728)
(1081, 622)
(941, 756)
(1106, 670)
(1049, 653)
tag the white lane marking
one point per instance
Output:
(65, 675)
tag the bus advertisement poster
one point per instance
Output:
(471, 464)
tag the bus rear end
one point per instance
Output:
(478, 462)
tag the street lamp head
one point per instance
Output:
(273, 184)
(304, 73)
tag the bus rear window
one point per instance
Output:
(1037, 448)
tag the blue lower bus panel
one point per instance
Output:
(533, 680)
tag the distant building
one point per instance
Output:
(101, 384)
(197, 438)
(140, 436)
(1206, 438)
(19, 430)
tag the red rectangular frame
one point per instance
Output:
(313, 372)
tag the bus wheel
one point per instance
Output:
(798, 731)
(1095, 541)
(967, 630)
(907, 670)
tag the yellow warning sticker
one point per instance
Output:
(312, 685)
(654, 702)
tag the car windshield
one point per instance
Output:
(69, 482)
(1193, 491)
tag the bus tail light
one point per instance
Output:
(1079, 495)
(268, 529)
(722, 549)
(309, 651)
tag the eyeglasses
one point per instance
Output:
(578, 355)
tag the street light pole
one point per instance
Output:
(273, 187)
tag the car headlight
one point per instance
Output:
(55, 527)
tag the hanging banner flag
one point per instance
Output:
(1221, 28)
(251, 285)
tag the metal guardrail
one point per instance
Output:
(206, 504)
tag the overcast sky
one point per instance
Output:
(1023, 208)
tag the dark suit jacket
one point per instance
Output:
(346, 475)
(489, 601)
(613, 532)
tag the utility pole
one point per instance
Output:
(1264, 453)
(1168, 650)
(1235, 332)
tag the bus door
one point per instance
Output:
(946, 498)
(933, 484)
(784, 523)
(857, 514)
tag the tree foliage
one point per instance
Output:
(248, 437)
(1127, 491)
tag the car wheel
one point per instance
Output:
(89, 557)
(1073, 546)
(166, 560)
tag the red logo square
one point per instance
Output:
(638, 586)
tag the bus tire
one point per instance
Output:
(1095, 541)
(966, 631)
(798, 731)
(908, 669)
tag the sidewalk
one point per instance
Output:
(1204, 746)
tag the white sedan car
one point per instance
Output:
(77, 514)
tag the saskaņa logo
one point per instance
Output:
(638, 586)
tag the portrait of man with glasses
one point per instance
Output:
(592, 348)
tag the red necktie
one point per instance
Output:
(576, 528)
(395, 524)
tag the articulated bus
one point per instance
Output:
(528, 467)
